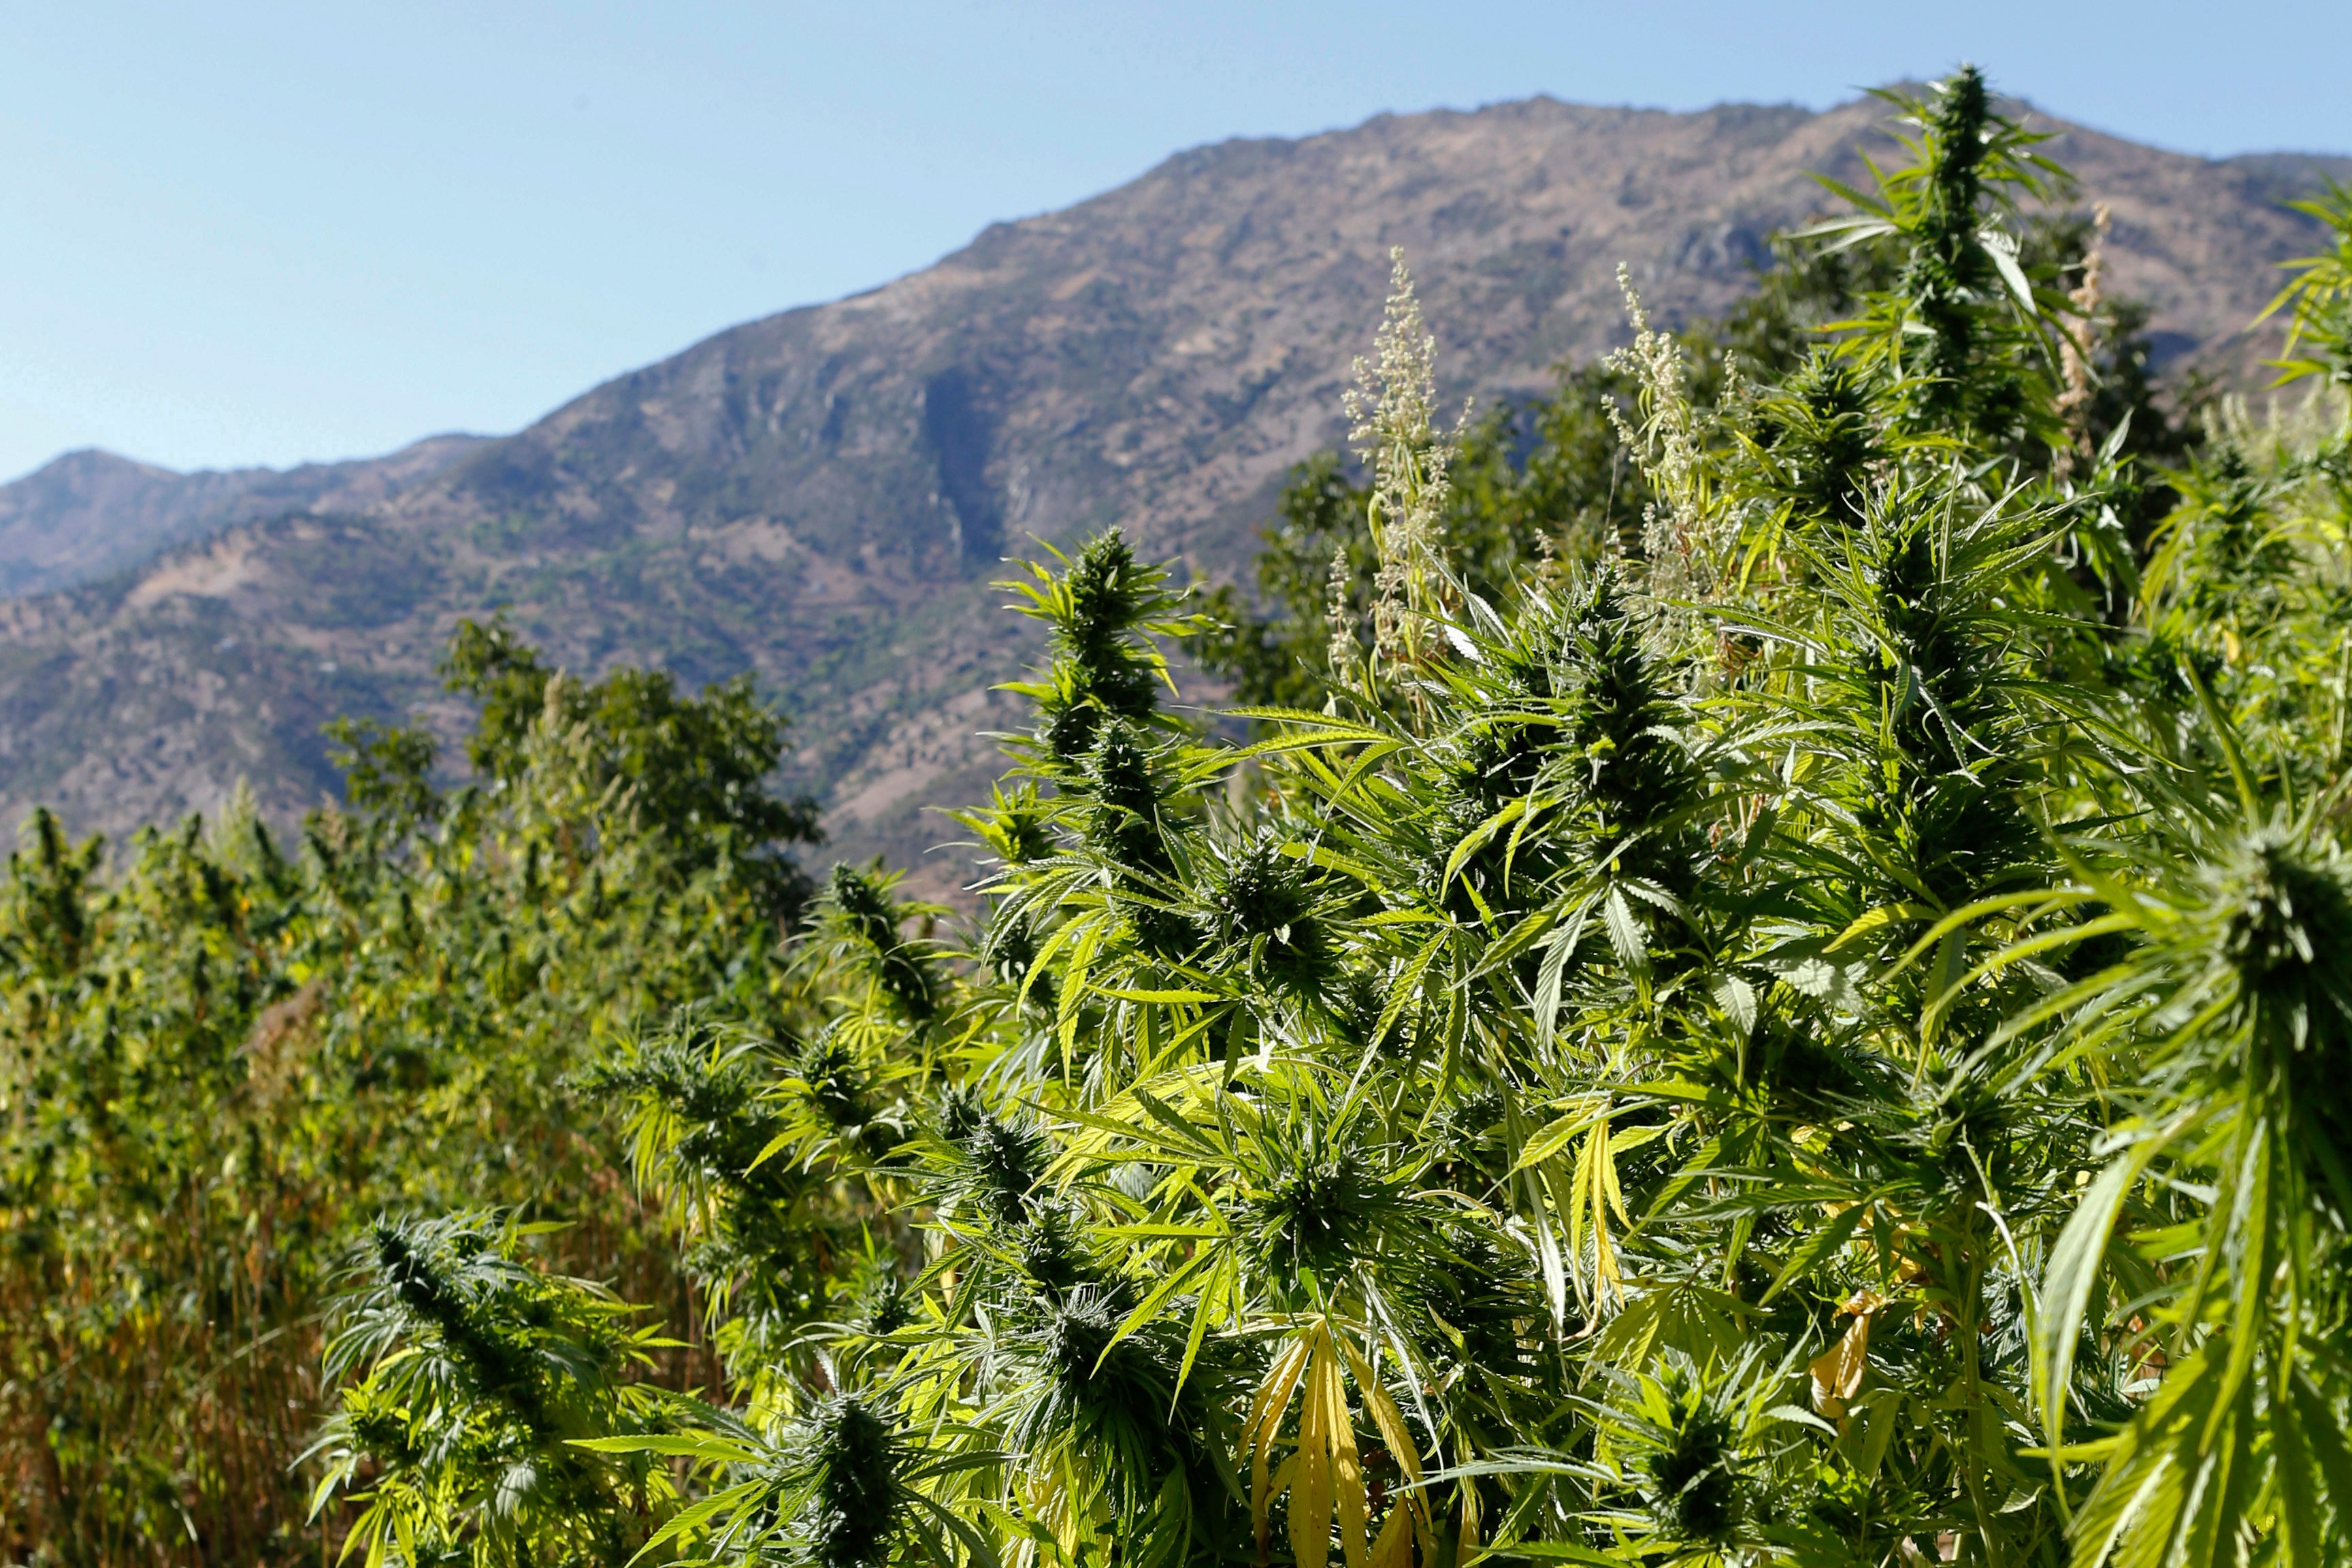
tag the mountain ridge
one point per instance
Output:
(88, 513)
(820, 495)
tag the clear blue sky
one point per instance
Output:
(240, 232)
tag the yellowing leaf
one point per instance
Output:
(1387, 1419)
(1466, 1547)
(1347, 1469)
(1311, 1499)
(1394, 1548)
(1324, 1476)
(1837, 1371)
(1267, 1406)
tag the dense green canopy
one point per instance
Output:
(1772, 983)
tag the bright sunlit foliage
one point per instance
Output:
(1770, 983)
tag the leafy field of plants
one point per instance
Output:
(1759, 971)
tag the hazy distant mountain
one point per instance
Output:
(90, 514)
(823, 495)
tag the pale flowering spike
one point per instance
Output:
(1394, 400)
(1391, 413)
(2077, 342)
(1341, 652)
(1687, 533)
(1633, 311)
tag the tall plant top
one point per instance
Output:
(1392, 424)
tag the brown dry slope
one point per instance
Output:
(90, 513)
(824, 495)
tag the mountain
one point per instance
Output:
(825, 495)
(90, 514)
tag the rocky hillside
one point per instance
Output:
(824, 495)
(91, 514)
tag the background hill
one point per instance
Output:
(91, 514)
(823, 495)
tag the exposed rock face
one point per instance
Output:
(823, 495)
